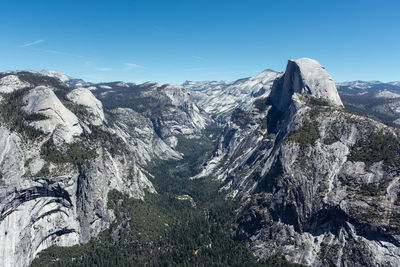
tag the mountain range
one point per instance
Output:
(279, 167)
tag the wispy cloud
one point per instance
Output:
(130, 66)
(199, 58)
(58, 53)
(33, 43)
(104, 69)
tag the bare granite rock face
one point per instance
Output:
(83, 96)
(138, 133)
(59, 158)
(304, 76)
(318, 184)
(60, 120)
(11, 83)
(169, 108)
(221, 98)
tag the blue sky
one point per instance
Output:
(173, 41)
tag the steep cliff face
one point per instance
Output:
(61, 153)
(304, 76)
(138, 133)
(169, 107)
(317, 183)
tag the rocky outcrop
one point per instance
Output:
(11, 83)
(58, 119)
(304, 76)
(83, 96)
(316, 182)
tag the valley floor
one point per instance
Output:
(188, 223)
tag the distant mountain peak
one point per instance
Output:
(56, 74)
